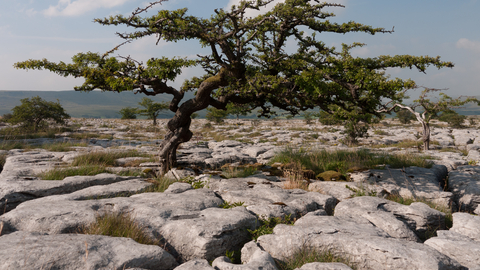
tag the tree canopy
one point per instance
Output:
(274, 59)
(35, 112)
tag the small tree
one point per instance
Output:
(405, 116)
(152, 109)
(35, 112)
(430, 109)
(128, 113)
(247, 62)
(216, 115)
(453, 119)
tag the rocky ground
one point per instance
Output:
(200, 221)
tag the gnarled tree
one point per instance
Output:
(249, 63)
(429, 109)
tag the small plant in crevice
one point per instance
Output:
(228, 205)
(267, 225)
(307, 254)
(235, 256)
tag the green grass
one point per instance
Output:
(344, 160)
(228, 205)
(19, 133)
(104, 158)
(61, 173)
(234, 172)
(308, 254)
(119, 225)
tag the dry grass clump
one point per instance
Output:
(61, 173)
(307, 254)
(104, 158)
(119, 225)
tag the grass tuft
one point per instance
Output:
(61, 173)
(118, 225)
(235, 172)
(344, 160)
(104, 158)
(308, 254)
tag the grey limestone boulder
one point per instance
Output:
(363, 244)
(458, 247)
(465, 185)
(24, 250)
(267, 200)
(209, 233)
(59, 214)
(411, 182)
(467, 225)
(399, 221)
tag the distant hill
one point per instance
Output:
(95, 104)
(98, 104)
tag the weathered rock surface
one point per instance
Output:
(465, 185)
(25, 250)
(399, 221)
(366, 246)
(268, 200)
(458, 247)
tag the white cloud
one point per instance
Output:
(464, 43)
(79, 7)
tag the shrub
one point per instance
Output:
(128, 113)
(453, 119)
(405, 116)
(35, 112)
(328, 119)
(216, 115)
(308, 117)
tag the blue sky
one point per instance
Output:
(58, 29)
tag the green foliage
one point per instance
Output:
(267, 225)
(128, 113)
(328, 119)
(216, 115)
(118, 225)
(6, 117)
(35, 112)
(152, 109)
(453, 119)
(405, 117)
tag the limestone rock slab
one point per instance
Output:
(25, 250)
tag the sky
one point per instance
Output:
(59, 29)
